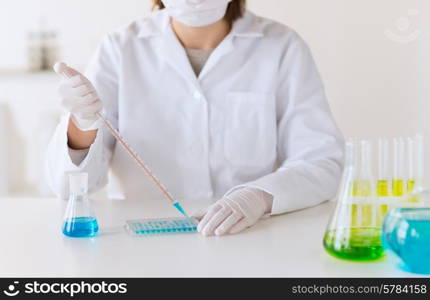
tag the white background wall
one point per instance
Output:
(377, 84)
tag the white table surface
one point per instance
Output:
(283, 246)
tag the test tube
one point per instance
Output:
(398, 167)
(356, 167)
(383, 185)
(366, 169)
(419, 158)
(416, 180)
(411, 156)
(366, 212)
(355, 212)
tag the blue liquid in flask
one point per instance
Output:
(81, 227)
(410, 240)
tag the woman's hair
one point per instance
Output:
(235, 9)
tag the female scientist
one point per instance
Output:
(221, 103)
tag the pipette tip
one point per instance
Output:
(178, 206)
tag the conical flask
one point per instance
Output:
(79, 220)
(406, 232)
(354, 230)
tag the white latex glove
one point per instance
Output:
(235, 212)
(79, 97)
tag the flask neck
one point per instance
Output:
(78, 206)
(78, 197)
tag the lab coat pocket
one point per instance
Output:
(250, 129)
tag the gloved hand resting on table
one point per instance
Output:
(79, 97)
(235, 212)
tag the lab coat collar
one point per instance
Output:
(248, 26)
(174, 54)
(154, 25)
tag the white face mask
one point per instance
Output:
(196, 13)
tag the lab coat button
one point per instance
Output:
(197, 95)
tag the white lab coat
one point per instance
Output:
(256, 116)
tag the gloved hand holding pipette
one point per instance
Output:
(235, 212)
(79, 97)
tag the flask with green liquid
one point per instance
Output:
(354, 230)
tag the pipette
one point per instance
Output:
(61, 68)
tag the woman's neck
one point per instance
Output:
(208, 37)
